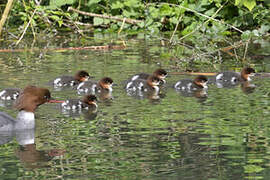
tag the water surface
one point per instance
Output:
(222, 136)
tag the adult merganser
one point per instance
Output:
(30, 98)
(65, 81)
(105, 84)
(160, 73)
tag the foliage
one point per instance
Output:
(251, 16)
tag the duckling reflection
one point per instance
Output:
(7, 103)
(152, 95)
(200, 93)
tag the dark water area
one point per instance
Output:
(223, 134)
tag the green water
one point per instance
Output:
(222, 136)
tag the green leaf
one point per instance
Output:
(117, 5)
(256, 32)
(55, 17)
(246, 35)
(60, 23)
(165, 10)
(141, 24)
(253, 168)
(189, 28)
(154, 12)
(98, 21)
(132, 3)
(130, 13)
(250, 4)
(264, 29)
(238, 2)
(60, 3)
(106, 21)
(91, 2)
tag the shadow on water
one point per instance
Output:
(221, 133)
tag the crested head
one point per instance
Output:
(247, 72)
(153, 81)
(31, 97)
(160, 73)
(201, 81)
(106, 83)
(90, 99)
(82, 76)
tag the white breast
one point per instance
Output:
(94, 87)
(219, 76)
(80, 85)
(189, 85)
(177, 84)
(56, 81)
(25, 120)
(134, 77)
(128, 85)
(2, 93)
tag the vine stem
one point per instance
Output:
(24, 31)
(122, 26)
(5, 15)
(212, 17)
(246, 48)
(129, 21)
(180, 18)
(97, 48)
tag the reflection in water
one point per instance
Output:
(200, 93)
(248, 87)
(225, 137)
(6, 136)
(227, 84)
(27, 152)
(152, 95)
(7, 103)
(33, 158)
(89, 114)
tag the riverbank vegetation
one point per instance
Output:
(222, 17)
(199, 29)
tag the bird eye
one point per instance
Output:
(46, 97)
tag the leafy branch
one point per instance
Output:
(129, 21)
